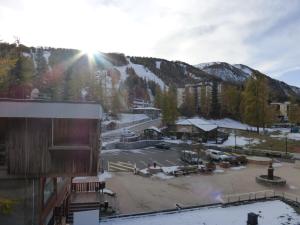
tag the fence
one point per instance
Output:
(261, 195)
(85, 187)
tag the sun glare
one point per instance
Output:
(89, 52)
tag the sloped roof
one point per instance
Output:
(154, 128)
(33, 109)
(199, 123)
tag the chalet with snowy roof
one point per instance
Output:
(196, 129)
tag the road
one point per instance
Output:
(143, 157)
(137, 128)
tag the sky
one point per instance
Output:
(263, 34)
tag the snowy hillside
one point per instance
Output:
(244, 68)
(225, 71)
(142, 72)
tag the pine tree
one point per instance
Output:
(169, 106)
(231, 101)
(255, 101)
(158, 98)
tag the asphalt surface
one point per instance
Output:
(137, 129)
(142, 157)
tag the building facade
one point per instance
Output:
(202, 93)
(44, 145)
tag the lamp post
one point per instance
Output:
(234, 140)
(286, 144)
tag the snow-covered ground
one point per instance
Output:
(270, 212)
(285, 132)
(240, 141)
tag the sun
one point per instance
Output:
(89, 51)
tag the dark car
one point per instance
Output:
(162, 146)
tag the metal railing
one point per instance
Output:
(260, 195)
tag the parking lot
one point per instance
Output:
(142, 157)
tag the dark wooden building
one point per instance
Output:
(42, 145)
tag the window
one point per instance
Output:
(48, 189)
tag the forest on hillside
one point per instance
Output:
(69, 75)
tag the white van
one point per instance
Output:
(217, 155)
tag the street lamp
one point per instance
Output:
(286, 144)
(234, 140)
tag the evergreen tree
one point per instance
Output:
(169, 106)
(116, 105)
(41, 65)
(255, 102)
(158, 98)
(231, 101)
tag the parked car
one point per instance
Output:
(217, 155)
(190, 157)
(162, 145)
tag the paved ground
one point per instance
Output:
(143, 157)
(140, 194)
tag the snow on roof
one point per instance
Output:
(35, 109)
(270, 212)
(224, 123)
(201, 124)
(154, 128)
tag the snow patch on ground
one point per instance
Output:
(238, 167)
(104, 176)
(162, 176)
(270, 212)
(240, 141)
(169, 169)
(178, 141)
(277, 165)
(293, 187)
(219, 171)
(285, 132)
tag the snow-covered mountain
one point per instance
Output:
(239, 73)
(232, 73)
